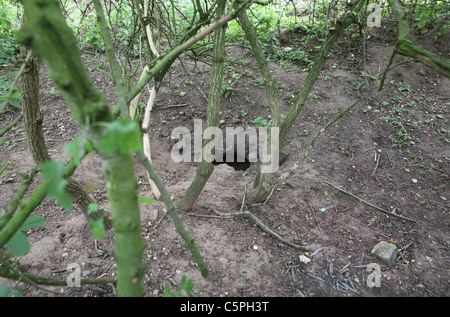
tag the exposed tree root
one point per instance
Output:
(256, 220)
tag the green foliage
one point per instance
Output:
(121, 136)
(54, 173)
(298, 55)
(6, 292)
(432, 14)
(9, 21)
(18, 244)
(97, 227)
(92, 38)
(261, 122)
(402, 86)
(78, 148)
(120, 18)
(4, 90)
(402, 138)
(186, 286)
(146, 201)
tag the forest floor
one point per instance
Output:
(392, 150)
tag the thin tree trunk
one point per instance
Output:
(407, 47)
(263, 181)
(49, 36)
(205, 168)
(32, 116)
(33, 120)
(317, 67)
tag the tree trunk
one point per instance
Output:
(205, 168)
(49, 36)
(263, 182)
(262, 185)
(33, 119)
(32, 116)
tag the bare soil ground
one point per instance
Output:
(361, 154)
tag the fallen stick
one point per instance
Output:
(248, 214)
(11, 125)
(172, 106)
(367, 203)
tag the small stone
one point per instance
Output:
(304, 259)
(165, 133)
(385, 252)
(223, 260)
(153, 214)
(255, 247)
(414, 180)
(8, 181)
(86, 273)
(183, 93)
(291, 184)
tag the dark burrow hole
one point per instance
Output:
(238, 166)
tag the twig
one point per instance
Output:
(158, 223)
(317, 251)
(35, 280)
(270, 195)
(172, 106)
(405, 247)
(369, 149)
(248, 214)
(376, 166)
(4, 167)
(367, 203)
(189, 76)
(245, 192)
(314, 214)
(10, 209)
(11, 125)
(321, 130)
(15, 81)
(173, 213)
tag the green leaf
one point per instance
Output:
(93, 207)
(6, 292)
(121, 136)
(53, 172)
(97, 227)
(65, 201)
(32, 222)
(18, 244)
(75, 148)
(146, 201)
(186, 286)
